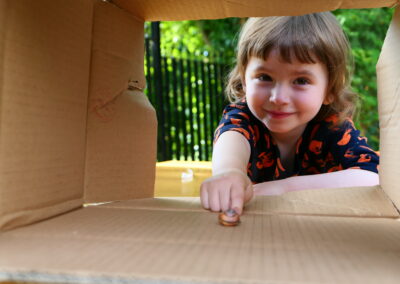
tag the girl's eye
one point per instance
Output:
(264, 77)
(302, 81)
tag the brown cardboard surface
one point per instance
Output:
(388, 73)
(162, 245)
(45, 55)
(117, 52)
(120, 161)
(43, 126)
(361, 201)
(44, 76)
(3, 28)
(159, 10)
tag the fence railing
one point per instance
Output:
(188, 97)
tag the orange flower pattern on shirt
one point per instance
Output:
(236, 121)
(265, 160)
(333, 119)
(316, 147)
(345, 138)
(364, 158)
(323, 147)
(243, 131)
(349, 154)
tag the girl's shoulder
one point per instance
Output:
(237, 106)
(238, 117)
(332, 134)
(239, 110)
(331, 126)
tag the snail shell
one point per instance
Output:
(229, 218)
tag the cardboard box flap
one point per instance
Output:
(122, 124)
(121, 151)
(120, 160)
(45, 60)
(388, 75)
(131, 245)
(117, 54)
(177, 10)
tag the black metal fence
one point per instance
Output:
(188, 97)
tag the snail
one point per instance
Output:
(229, 218)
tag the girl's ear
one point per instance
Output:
(243, 82)
(328, 99)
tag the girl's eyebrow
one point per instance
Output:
(303, 72)
(296, 72)
(261, 68)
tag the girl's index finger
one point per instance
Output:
(204, 196)
(237, 198)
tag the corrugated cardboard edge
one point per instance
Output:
(60, 278)
(212, 9)
(388, 79)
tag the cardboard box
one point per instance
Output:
(76, 128)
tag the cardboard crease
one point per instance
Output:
(12, 219)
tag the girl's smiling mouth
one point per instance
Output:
(279, 114)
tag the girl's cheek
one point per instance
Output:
(258, 99)
(259, 92)
(307, 101)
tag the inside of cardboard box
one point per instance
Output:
(173, 240)
(108, 158)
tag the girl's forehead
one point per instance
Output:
(285, 54)
(275, 58)
(290, 57)
(274, 62)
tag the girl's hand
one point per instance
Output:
(228, 190)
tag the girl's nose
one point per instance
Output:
(279, 95)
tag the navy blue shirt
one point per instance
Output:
(323, 147)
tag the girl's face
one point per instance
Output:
(285, 96)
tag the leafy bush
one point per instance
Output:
(366, 30)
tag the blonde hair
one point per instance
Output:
(310, 39)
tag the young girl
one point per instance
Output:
(289, 125)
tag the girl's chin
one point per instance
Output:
(280, 127)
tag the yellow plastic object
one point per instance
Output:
(180, 178)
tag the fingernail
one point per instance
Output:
(237, 210)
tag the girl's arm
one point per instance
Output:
(344, 178)
(229, 187)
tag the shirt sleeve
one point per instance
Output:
(236, 117)
(353, 150)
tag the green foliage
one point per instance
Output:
(365, 28)
(366, 31)
(206, 38)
